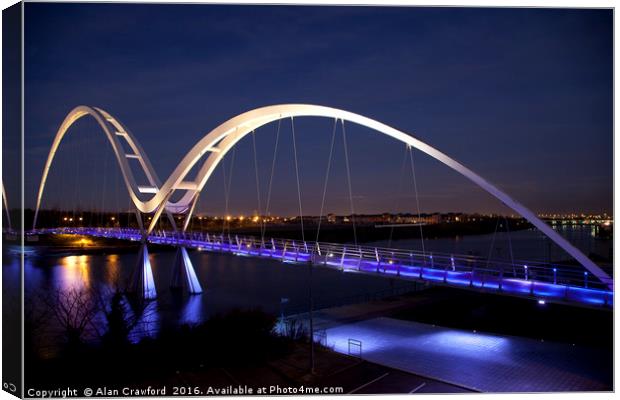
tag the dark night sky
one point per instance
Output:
(521, 96)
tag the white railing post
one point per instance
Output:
(284, 251)
(359, 262)
(501, 277)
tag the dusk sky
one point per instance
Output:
(521, 96)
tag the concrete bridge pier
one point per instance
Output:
(142, 282)
(183, 273)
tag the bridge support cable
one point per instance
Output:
(301, 213)
(417, 200)
(400, 190)
(346, 159)
(116, 199)
(492, 242)
(103, 188)
(329, 163)
(512, 258)
(303, 238)
(260, 216)
(273, 167)
(76, 185)
(95, 144)
(227, 185)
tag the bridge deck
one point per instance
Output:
(540, 282)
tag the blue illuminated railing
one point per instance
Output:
(562, 283)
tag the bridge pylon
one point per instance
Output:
(142, 282)
(183, 273)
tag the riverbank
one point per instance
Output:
(345, 233)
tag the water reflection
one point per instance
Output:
(112, 269)
(192, 311)
(74, 273)
(148, 322)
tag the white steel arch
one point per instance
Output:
(220, 140)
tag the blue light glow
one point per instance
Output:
(442, 273)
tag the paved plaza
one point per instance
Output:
(480, 361)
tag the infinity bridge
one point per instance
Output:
(584, 285)
(539, 281)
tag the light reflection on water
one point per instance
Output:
(192, 312)
(230, 282)
(73, 273)
(112, 269)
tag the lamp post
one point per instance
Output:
(311, 319)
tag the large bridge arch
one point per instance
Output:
(214, 146)
(221, 139)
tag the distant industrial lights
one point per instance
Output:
(65, 219)
(541, 302)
